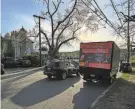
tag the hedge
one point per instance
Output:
(35, 61)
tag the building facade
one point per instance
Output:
(6, 48)
(21, 43)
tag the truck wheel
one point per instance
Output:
(63, 75)
(49, 76)
(85, 77)
(110, 80)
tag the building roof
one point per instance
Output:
(5, 39)
(22, 29)
(8, 35)
(29, 40)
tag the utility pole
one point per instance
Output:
(128, 33)
(39, 18)
(129, 19)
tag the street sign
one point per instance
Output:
(44, 52)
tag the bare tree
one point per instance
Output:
(117, 19)
(65, 23)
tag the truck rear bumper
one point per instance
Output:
(95, 71)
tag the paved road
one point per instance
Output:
(35, 91)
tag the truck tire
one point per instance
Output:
(110, 80)
(85, 77)
(49, 76)
(63, 76)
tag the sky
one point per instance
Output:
(18, 13)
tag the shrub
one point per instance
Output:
(133, 60)
(35, 61)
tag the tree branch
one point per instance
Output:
(107, 21)
(72, 38)
(65, 41)
(59, 35)
(116, 11)
(60, 22)
(51, 17)
(48, 42)
(56, 7)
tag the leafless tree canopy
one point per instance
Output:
(115, 21)
(65, 22)
(114, 13)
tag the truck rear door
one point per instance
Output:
(96, 55)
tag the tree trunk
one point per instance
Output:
(52, 53)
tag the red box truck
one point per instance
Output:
(99, 60)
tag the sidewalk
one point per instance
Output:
(15, 70)
(8, 75)
(121, 95)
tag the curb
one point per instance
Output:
(103, 93)
(19, 73)
(101, 96)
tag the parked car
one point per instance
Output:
(60, 69)
(76, 63)
(126, 67)
(9, 62)
(2, 69)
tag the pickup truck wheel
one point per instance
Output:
(77, 73)
(49, 76)
(63, 75)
